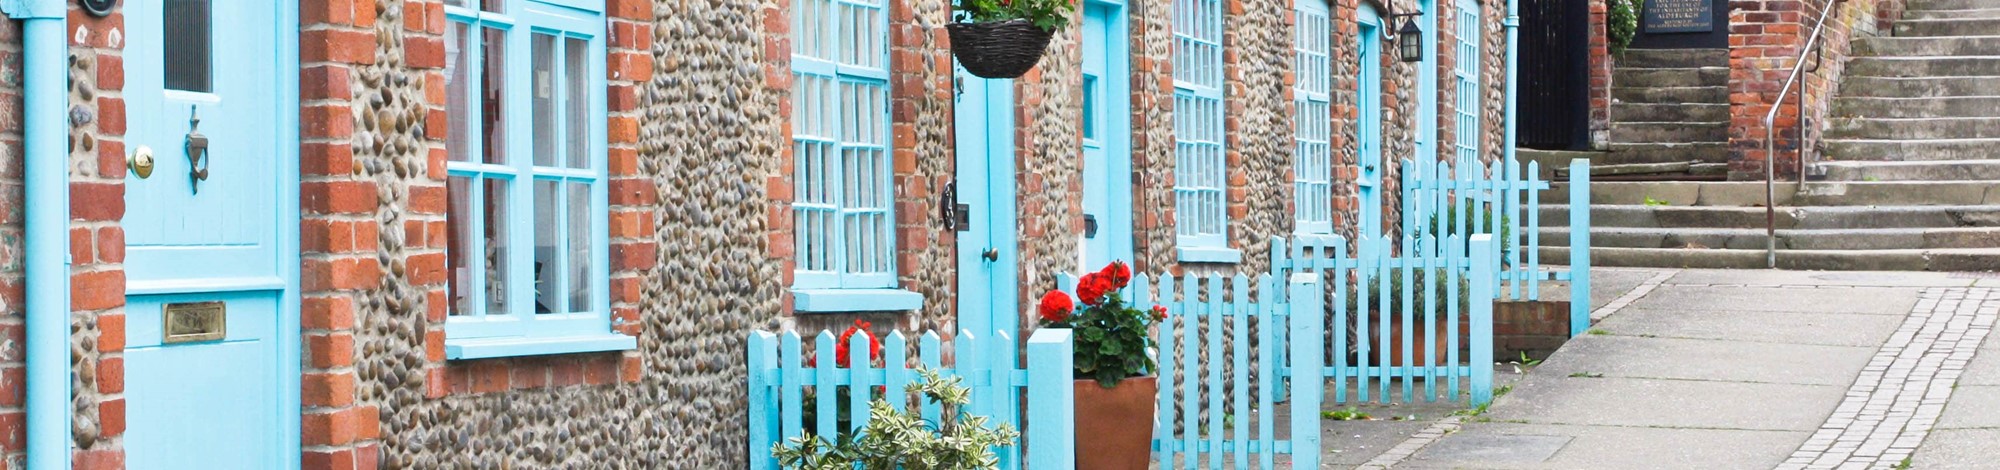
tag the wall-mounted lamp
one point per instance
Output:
(1409, 38)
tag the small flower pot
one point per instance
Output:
(998, 49)
(1114, 426)
(1438, 342)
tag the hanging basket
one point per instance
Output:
(1000, 49)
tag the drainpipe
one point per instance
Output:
(1513, 25)
(44, 55)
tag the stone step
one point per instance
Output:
(1667, 152)
(1943, 66)
(1786, 218)
(1754, 239)
(1934, 5)
(1968, 106)
(1752, 193)
(1553, 159)
(1666, 112)
(1672, 95)
(1674, 58)
(1953, 170)
(1919, 87)
(1637, 132)
(1947, 260)
(1949, 14)
(1653, 78)
(1911, 150)
(1911, 128)
(1946, 27)
(1890, 46)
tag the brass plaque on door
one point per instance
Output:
(189, 322)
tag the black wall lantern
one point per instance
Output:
(97, 7)
(1409, 38)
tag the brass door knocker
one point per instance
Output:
(197, 151)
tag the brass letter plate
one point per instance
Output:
(189, 322)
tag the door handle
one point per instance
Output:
(197, 151)
(991, 254)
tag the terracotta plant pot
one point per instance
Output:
(1114, 426)
(1439, 343)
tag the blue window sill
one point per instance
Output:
(855, 300)
(482, 348)
(1210, 255)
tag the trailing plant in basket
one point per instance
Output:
(1111, 336)
(1049, 15)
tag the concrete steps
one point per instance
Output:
(1914, 128)
(1932, 5)
(1942, 66)
(1910, 150)
(1958, 170)
(1674, 77)
(1919, 87)
(1892, 46)
(1802, 218)
(1983, 259)
(1670, 112)
(1669, 106)
(1816, 195)
(1927, 107)
(1699, 95)
(1754, 238)
(1669, 132)
(1667, 152)
(1948, 26)
(1952, 14)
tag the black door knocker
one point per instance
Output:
(197, 151)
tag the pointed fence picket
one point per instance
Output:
(779, 378)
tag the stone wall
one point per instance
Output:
(97, 241)
(13, 296)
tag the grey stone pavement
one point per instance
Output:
(1728, 370)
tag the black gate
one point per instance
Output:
(1554, 91)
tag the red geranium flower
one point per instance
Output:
(840, 348)
(1056, 306)
(1092, 288)
(1118, 273)
(1159, 312)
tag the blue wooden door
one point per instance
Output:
(211, 240)
(1369, 135)
(983, 120)
(1107, 148)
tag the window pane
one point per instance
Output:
(496, 247)
(547, 139)
(548, 272)
(580, 241)
(187, 46)
(458, 76)
(493, 88)
(577, 68)
(459, 244)
(1089, 106)
(496, 6)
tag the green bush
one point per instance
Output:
(1475, 223)
(1421, 299)
(1623, 22)
(896, 437)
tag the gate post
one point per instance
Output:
(1051, 426)
(1308, 306)
(763, 425)
(1579, 246)
(1485, 267)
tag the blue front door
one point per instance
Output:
(983, 121)
(211, 255)
(1107, 148)
(1369, 135)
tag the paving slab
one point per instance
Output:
(1819, 278)
(1606, 285)
(1611, 447)
(1985, 366)
(1832, 329)
(1958, 449)
(1604, 357)
(1868, 300)
(1972, 406)
(1613, 401)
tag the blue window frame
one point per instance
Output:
(527, 213)
(1201, 183)
(1312, 118)
(1468, 81)
(842, 213)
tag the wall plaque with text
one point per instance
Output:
(1679, 16)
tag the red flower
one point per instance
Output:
(1092, 288)
(1159, 312)
(840, 349)
(1118, 273)
(1056, 306)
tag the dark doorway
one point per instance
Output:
(1554, 90)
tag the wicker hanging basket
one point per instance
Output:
(1000, 49)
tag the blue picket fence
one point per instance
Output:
(1430, 188)
(779, 380)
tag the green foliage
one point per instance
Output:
(1586, 375)
(1650, 202)
(1623, 24)
(1421, 296)
(1111, 340)
(1597, 332)
(899, 438)
(1475, 223)
(1349, 414)
(1049, 15)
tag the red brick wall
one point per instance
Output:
(1600, 74)
(13, 371)
(97, 242)
(1766, 38)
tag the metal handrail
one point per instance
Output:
(1771, 140)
